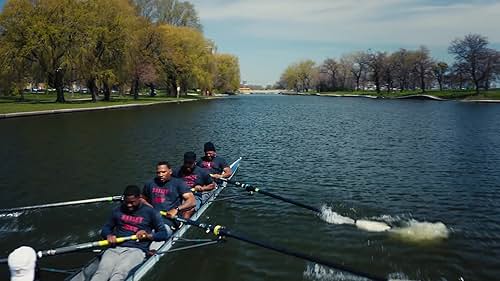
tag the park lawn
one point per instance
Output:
(40, 102)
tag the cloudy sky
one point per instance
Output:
(268, 35)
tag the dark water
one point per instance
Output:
(406, 162)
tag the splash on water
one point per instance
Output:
(319, 272)
(373, 226)
(322, 273)
(328, 215)
(11, 215)
(416, 231)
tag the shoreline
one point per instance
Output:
(415, 97)
(106, 107)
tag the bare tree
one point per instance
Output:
(330, 67)
(375, 62)
(473, 56)
(439, 69)
(423, 66)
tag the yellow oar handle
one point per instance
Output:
(103, 243)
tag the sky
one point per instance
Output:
(269, 35)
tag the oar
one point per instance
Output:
(221, 231)
(61, 204)
(78, 247)
(362, 224)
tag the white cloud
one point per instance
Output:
(358, 21)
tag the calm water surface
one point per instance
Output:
(404, 162)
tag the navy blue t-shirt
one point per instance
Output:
(122, 223)
(198, 176)
(165, 196)
(216, 166)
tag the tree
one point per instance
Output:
(403, 66)
(330, 67)
(172, 12)
(45, 33)
(227, 73)
(376, 64)
(474, 57)
(423, 66)
(109, 29)
(439, 69)
(183, 57)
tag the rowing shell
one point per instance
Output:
(138, 272)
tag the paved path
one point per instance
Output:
(108, 107)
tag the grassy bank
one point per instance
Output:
(446, 94)
(40, 102)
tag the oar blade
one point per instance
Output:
(372, 226)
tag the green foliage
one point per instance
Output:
(106, 44)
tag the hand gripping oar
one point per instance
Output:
(61, 204)
(78, 247)
(362, 224)
(221, 231)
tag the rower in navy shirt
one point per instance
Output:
(216, 166)
(132, 217)
(166, 193)
(196, 178)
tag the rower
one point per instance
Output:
(22, 264)
(132, 217)
(197, 179)
(215, 165)
(166, 193)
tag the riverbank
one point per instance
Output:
(44, 104)
(464, 96)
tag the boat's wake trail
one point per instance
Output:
(321, 273)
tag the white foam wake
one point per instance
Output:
(416, 231)
(328, 215)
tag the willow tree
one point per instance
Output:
(46, 33)
(182, 57)
(171, 12)
(227, 73)
(109, 27)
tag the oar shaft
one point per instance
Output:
(223, 231)
(82, 246)
(248, 187)
(61, 204)
(78, 247)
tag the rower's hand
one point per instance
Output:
(216, 176)
(172, 213)
(111, 239)
(142, 234)
(198, 188)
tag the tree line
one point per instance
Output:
(107, 45)
(476, 66)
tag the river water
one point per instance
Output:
(429, 169)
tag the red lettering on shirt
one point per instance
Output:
(190, 180)
(131, 219)
(130, 228)
(162, 191)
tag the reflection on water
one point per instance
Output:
(427, 169)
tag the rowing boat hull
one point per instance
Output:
(137, 273)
